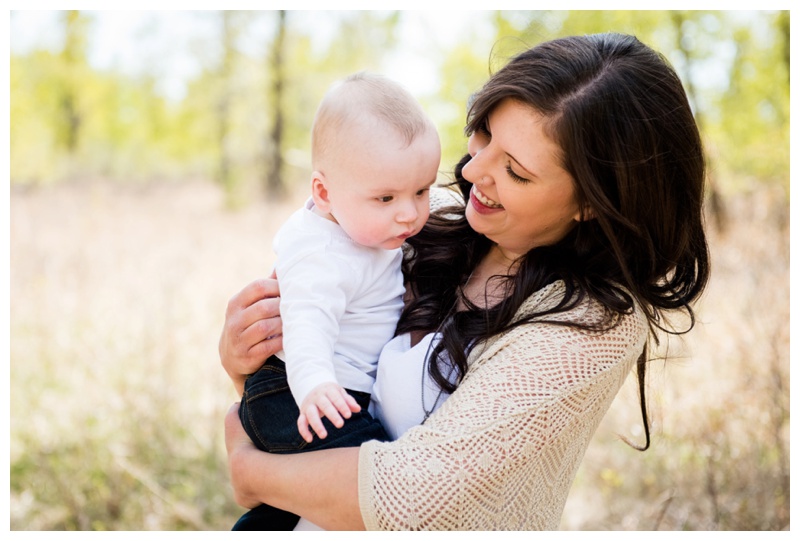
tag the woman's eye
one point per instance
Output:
(515, 177)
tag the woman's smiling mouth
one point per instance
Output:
(483, 200)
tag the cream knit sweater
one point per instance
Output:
(501, 453)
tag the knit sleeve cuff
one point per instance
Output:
(366, 501)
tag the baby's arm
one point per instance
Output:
(317, 285)
(329, 400)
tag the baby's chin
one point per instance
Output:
(390, 244)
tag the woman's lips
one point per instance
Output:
(481, 203)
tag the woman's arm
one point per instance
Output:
(503, 449)
(500, 453)
(321, 486)
(252, 330)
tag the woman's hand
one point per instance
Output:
(321, 486)
(238, 445)
(252, 330)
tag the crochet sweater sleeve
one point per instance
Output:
(501, 453)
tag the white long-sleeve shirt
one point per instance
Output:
(340, 302)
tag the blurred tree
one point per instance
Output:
(687, 42)
(67, 115)
(73, 57)
(229, 31)
(274, 181)
(32, 141)
(782, 24)
(360, 41)
(254, 117)
(749, 119)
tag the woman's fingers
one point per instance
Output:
(252, 328)
(259, 321)
(253, 292)
(258, 353)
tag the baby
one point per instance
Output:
(375, 155)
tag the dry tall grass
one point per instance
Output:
(117, 300)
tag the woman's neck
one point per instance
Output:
(480, 289)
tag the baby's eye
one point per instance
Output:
(422, 191)
(385, 198)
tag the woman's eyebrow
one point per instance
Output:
(528, 171)
(521, 166)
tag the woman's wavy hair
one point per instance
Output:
(621, 117)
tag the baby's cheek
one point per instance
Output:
(367, 237)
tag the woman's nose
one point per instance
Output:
(475, 168)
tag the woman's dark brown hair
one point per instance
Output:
(620, 115)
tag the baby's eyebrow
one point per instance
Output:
(429, 183)
(382, 191)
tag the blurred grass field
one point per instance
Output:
(117, 395)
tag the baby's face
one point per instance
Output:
(379, 192)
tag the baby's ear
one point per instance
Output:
(319, 192)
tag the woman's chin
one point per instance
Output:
(474, 219)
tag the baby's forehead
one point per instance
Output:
(366, 129)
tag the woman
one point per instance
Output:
(528, 306)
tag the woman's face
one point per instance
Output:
(521, 197)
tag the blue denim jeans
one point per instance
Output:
(269, 416)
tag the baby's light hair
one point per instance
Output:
(361, 97)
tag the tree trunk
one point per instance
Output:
(73, 54)
(274, 181)
(716, 205)
(224, 101)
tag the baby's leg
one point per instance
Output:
(268, 411)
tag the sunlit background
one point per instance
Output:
(153, 155)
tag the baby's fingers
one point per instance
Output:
(354, 406)
(302, 427)
(343, 403)
(313, 415)
(330, 410)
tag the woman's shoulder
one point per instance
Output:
(588, 327)
(587, 312)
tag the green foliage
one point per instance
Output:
(741, 100)
(70, 120)
(750, 128)
(464, 70)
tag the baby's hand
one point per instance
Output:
(329, 400)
